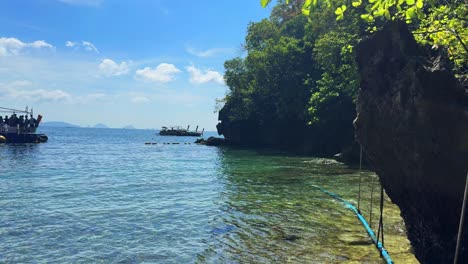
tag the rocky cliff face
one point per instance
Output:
(290, 135)
(413, 125)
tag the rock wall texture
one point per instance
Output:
(291, 135)
(288, 135)
(412, 121)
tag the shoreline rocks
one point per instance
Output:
(213, 141)
(291, 136)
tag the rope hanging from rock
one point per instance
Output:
(371, 201)
(462, 219)
(360, 176)
(380, 231)
(378, 244)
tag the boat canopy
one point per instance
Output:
(15, 111)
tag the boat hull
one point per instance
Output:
(179, 133)
(24, 138)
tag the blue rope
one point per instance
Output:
(378, 244)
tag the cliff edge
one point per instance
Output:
(412, 121)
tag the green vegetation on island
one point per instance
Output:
(300, 64)
(297, 71)
(295, 68)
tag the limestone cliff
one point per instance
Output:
(291, 135)
(412, 121)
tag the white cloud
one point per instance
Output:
(70, 44)
(27, 91)
(164, 72)
(40, 44)
(44, 95)
(204, 76)
(208, 52)
(139, 99)
(14, 46)
(109, 67)
(21, 90)
(88, 46)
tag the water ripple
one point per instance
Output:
(102, 196)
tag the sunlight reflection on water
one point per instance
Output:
(101, 195)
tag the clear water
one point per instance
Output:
(103, 196)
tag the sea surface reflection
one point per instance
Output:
(102, 195)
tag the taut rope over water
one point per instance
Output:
(378, 244)
(360, 176)
(381, 230)
(375, 239)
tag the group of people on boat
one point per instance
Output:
(21, 124)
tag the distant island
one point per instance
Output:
(65, 124)
(57, 124)
(100, 125)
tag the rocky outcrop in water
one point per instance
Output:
(291, 135)
(413, 125)
(213, 141)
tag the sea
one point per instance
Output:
(104, 196)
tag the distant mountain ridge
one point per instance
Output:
(57, 124)
(65, 124)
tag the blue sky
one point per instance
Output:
(147, 63)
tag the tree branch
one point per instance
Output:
(461, 40)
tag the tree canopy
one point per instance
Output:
(442, 24)
(299, 64)
(295, 68)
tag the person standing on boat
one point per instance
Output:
(32, 123)
(26, 123)
(13, 120)
(21, 123)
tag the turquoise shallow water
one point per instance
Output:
(102, 195)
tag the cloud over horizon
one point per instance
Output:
(88, 46)
(23, 90)
(29, 92)
(14, 46)
(199, 76)
(163, 73)
(108, 68)
(207, 53)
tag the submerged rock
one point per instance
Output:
(351, 155)
(413, 125)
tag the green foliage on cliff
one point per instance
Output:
(302, 67)
(440, 24)
(295, 68)
(445, 26)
